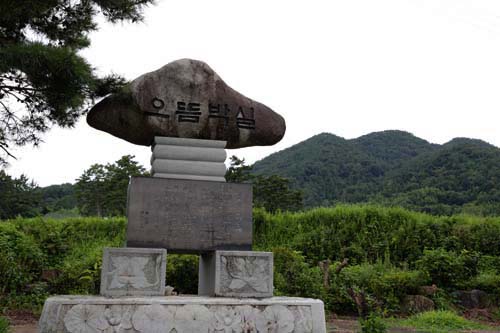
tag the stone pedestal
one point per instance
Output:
(236, 274)
(71, 314)
(133, 272)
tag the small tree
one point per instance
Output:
(18, 197)
(273, 192)
(238, 171)
(102, 189)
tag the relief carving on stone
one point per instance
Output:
(158, 318)
(130, 272)
(246, 271)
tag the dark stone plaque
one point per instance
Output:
(189, 216)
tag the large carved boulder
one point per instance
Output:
(186, 99)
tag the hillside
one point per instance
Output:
(393, 168)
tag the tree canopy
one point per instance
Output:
(44, 81)
(18, 197)
(269, 192)
(102, 189)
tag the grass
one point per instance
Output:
(4, 325)
(439, 321)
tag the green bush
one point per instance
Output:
(182, 273)
(372, 324)
(489, 264)
(21, 260)
(444, 249)
(294, 277)
(31, 299)
(385, 286)
(368, 233)
(71, 247)
(4, 325)
(488, 282)
(448, 269)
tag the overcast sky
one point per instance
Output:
(351, 67)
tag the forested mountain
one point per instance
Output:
(393, 168)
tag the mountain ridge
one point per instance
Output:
(393, 168)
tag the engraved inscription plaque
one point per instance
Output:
(189, 216)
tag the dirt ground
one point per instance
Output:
(27, 323)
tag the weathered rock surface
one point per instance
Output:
(474, 299)
(186, 99)
(416, 304)
(428, 290)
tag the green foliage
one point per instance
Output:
(238, 171)
(488, 282)
(21, 259)
(294, 277)
(383, 246)
(18, 197)
(372, 324)
(448, 269)
(384, 286)
(63, 214)
(22, 197)
(371, 234)
(70, 248)
(489, 264)
(271, 193)
(57, 198)
(440, 322)
(4, 325)
(102, 189)
(43, 78)
(392, 168)
(182, 273)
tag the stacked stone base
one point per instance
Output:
(182, 314)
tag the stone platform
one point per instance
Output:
(182, 314)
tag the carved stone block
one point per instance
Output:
(188, 314)
(133, 272)
(189, 216)
(236, 274)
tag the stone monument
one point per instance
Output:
(188, 116)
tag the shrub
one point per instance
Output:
(489, 264)
(33, 299)
(384, 285)
(294, 277)
(21, 259)
(400, 282)
(488, 282)
(447, 269)
(372, 324)
(4, 325)
(80, 272)
(366, 233)
(182, 273)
